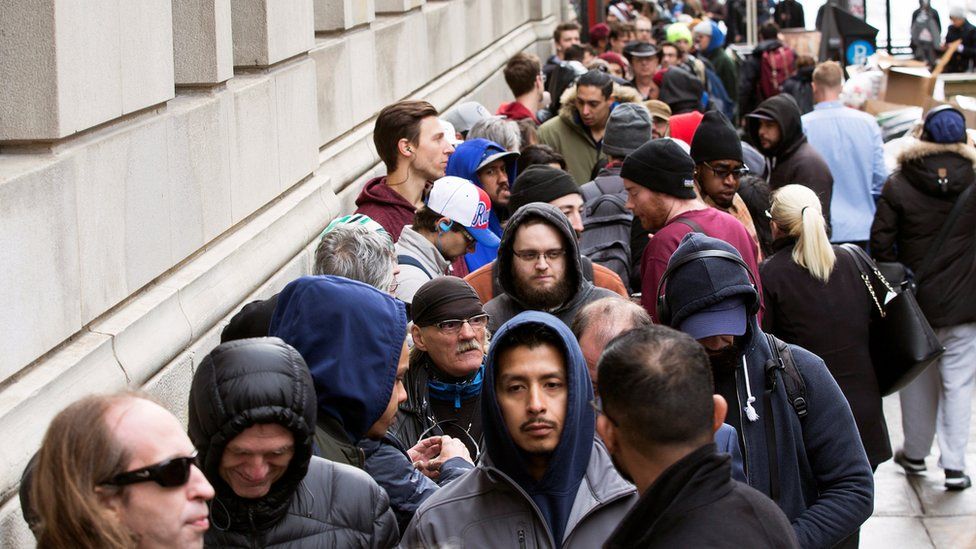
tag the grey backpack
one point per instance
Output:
(606, 227)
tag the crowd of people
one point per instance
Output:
(623, 311)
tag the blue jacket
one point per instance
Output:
(825, 482)
(727, 442)
(464, 162)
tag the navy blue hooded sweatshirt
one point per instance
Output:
(555, 493)
(826, 484)
(319, 316)
(464, 162)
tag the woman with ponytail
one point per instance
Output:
(815, 298)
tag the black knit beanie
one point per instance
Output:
(715, 139)
(541, 183)
(663, 166)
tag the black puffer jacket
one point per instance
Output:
(316, 503)
(915, 202)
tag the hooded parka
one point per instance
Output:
(915, 202)
(315, 503)
(567, 134)
(505, 306)
(579, 499)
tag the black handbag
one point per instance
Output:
(902, 342)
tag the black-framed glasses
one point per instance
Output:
(168, 474)
(453, 326)
(723, 173)
(532, 256)
(597, 405)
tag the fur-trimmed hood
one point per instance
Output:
(938, 169)
(569, 112)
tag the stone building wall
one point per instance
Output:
(164, 161)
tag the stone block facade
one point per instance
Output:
(179, 161)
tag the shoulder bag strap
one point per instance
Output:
(695, 227)
(865, 266)
(413, 262)
(923, 269)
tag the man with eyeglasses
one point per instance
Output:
(545, 481)
(539, 267)
(660, 184)
(657, 415)
(454, 218)
(446, 371)
(719, 167)
(252, 418)
(118, 471)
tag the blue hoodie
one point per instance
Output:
(718, 39)
(555, 493)
(464, 162)
(350, 335)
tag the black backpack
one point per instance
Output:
(606, 228)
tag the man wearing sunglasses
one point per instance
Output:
(717, 153)
(118, 471)
(454, 218)
(544, 481)
(446, 371)
(252, 418)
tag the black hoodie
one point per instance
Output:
(793, 159)
(682, 91)
(505, 306)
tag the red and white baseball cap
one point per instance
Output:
(465, 203)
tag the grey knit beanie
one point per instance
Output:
(628, 127)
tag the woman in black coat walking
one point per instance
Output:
(815, 298)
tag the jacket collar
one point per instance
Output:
(418, 246)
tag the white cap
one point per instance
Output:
(465, 203)
(466, 115)
(450, 133)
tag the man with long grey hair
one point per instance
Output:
(352, 246)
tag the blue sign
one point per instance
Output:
(858, 52)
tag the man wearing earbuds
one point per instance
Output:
(447, 227)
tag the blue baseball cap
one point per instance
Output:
(727, 317)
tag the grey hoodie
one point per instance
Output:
(505, 306)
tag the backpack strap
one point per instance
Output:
(414, 262)
(695, 227)
(796, 388)
(590, 191)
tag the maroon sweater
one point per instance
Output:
(714, 223)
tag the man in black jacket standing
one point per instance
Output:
(963, 30)
(252, 420)
(657, 419)
(915, 209)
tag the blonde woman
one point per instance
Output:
(815, 298)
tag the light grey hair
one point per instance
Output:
(499, 129)
(355, 252)
(610, 316)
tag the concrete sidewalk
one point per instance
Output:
(917, 511)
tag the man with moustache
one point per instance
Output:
(544, 481)
(446, 365)
(802, 449)
(660, 184)
(539, 267)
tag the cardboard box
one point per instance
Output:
(874, 107)
(907, 85)
(958, 84)
(966, 105)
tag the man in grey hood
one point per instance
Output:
(539, 267)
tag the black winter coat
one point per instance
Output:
(802, 310)
(695, 503)
(914, 204)
(800, 87)
(315, 503)
(793, 159)
(962, 61)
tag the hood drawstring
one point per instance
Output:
(751, 413)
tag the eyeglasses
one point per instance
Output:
(168, 474)
(532, 256)
(597, 405)
(394, 286)
(723, 173)
(454, 326)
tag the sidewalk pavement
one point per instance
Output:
(917, 511)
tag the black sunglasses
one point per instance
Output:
(168, 474)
